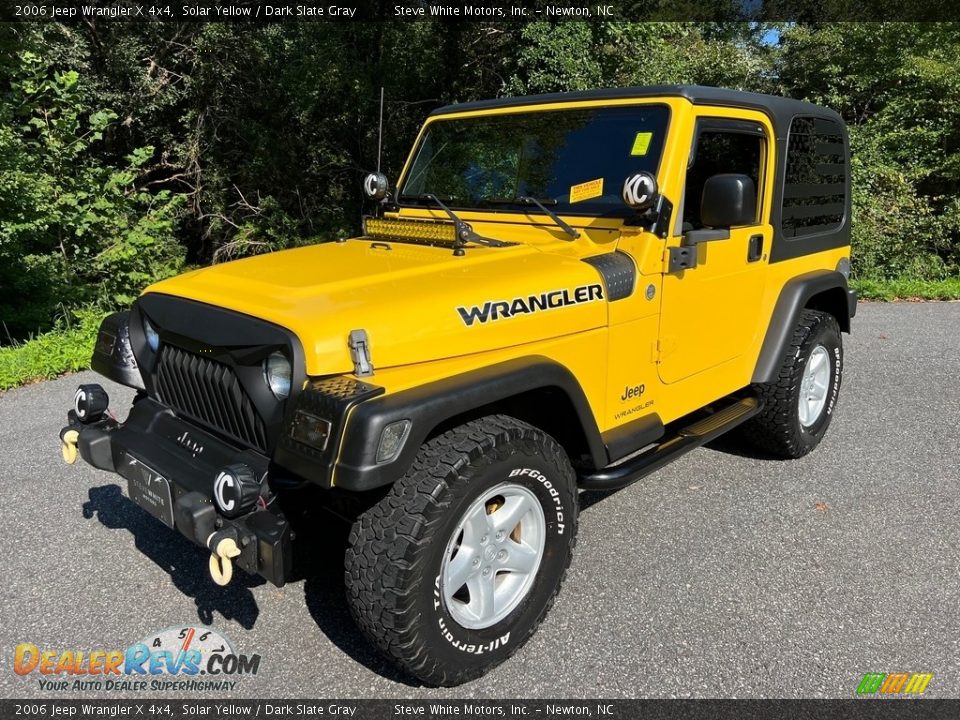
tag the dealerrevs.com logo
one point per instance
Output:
(188, 658)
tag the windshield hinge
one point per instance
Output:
(360, 353)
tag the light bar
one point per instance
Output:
(413, 229)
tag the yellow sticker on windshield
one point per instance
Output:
(586, 190)
(641, 143)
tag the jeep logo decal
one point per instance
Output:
(498, 309)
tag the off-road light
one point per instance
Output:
(375, 186)
(392, 439)
(310, 430)
(640, 190)
(276, 373)
(413, 229)
(90, 402)
(153, 338)
(236, 489)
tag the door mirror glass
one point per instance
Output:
(729, 200)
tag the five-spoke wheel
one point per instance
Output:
(493, 556)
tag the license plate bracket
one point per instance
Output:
(149, 489)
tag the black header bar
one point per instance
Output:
(486, 11)
(456, 709)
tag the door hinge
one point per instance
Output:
(665, 346)
(681, 258)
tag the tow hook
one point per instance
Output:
(68, 444)
(223, 547)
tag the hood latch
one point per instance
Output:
(360, 353)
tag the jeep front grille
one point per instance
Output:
(210, 393)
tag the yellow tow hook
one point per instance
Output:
(224, 550)
(68, 445)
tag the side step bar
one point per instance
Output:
(614, 477)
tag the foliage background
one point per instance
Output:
(128, 151)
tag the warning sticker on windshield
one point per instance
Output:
(586, 190)
(641, 143)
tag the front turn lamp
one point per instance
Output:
(276, 373)
(392, 439)
(310, 430)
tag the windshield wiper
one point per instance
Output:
(464, 232)
(529, 200)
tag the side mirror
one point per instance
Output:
(728, 200)
(375, 186)
(640, 191)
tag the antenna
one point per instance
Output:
(380, 132)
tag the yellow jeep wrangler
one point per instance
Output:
(561, 292)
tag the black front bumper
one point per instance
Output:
(154, 440)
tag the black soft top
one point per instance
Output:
(781, 110)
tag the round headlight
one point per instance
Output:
(276, 373)
(153, 339)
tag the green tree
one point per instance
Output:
(579, 56)
(73, 229)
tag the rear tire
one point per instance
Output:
(455, 568)
(799, 404)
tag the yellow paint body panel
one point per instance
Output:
(687, 338)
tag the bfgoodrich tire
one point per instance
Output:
(454, 569)
(799, 404)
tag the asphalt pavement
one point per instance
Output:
(722, 575)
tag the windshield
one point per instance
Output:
(574, 161)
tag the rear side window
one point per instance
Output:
(814, 192)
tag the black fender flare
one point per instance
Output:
(795, 296)
(432, 404)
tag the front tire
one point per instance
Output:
(799, 403)
(455, 568)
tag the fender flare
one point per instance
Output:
(432, 404)
(794, 298)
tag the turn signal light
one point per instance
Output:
(310, 430)
(392, 440)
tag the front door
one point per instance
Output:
(709, 312)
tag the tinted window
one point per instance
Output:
(814, 192)
(575, 161)
(720, 151)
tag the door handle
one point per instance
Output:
(754, 248)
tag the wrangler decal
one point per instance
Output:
(499, 309)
